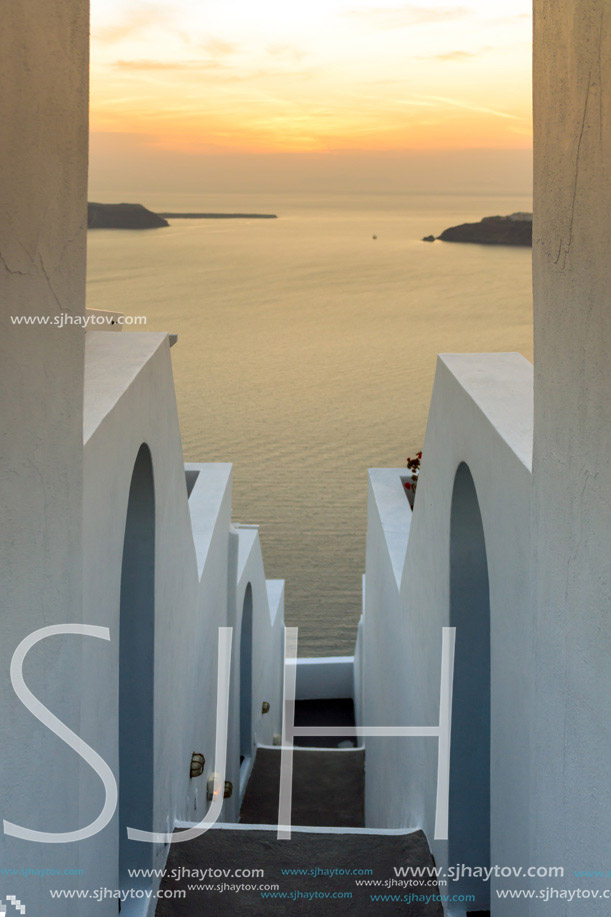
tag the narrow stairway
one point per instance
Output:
(299, 875)
(328, 788)
(330, 856)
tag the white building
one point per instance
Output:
(102, 525)
(510, 539)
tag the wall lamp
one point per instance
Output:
(197, 764)
(212, 792)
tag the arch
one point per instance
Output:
(137, 672)
(246, 678)
(469, 814)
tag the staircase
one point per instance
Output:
(328, 788)
(315, 872)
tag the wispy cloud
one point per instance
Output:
(302, 73)
(441, 102)
(453, 56)
(145, 64)
(135, 22)
(517, 17)
(393, 17)
(455, 103)
(458, 55)
(217, 69)
(219, 47)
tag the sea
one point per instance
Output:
(306, 355)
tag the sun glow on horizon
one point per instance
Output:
(339, 75)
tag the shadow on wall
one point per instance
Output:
(246, 678)
(137, 671)
(469, 822)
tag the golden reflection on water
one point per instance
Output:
(306, 355)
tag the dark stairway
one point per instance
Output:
(328, 788)
(308, 894)
(328, 791)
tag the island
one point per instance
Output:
(219, 216)
(122, 216)
(136, 216)
(515, 229)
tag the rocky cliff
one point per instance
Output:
(515, 229)
(122, 216)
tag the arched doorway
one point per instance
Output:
(246, 680)
(136, 674)
(469, 815)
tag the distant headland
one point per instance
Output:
(135, 216)
(122, 216)
(219, 216)
(515, 229)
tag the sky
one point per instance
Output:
(287, 89)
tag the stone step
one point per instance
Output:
(316, 851)
(328, 788)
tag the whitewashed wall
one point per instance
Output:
(202, 568)
(481, 414)
(199, 583)
(267, 653)
(43, 163)
(64, 504)
(572, 456)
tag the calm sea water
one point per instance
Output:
(306, 355)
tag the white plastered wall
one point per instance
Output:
(43, 162)
(130, 400)
(481, 414)
(572, 464)
(267, 650)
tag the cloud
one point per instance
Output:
(393, 17)
(138, 20)
(454, 55)
(458, 55)
(455, 103)
(145, 64)
(218, 47)
(517, 17)
(213, 68)
(302, 73)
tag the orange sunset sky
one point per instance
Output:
(267, 83)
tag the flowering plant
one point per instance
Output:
(414, 466)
